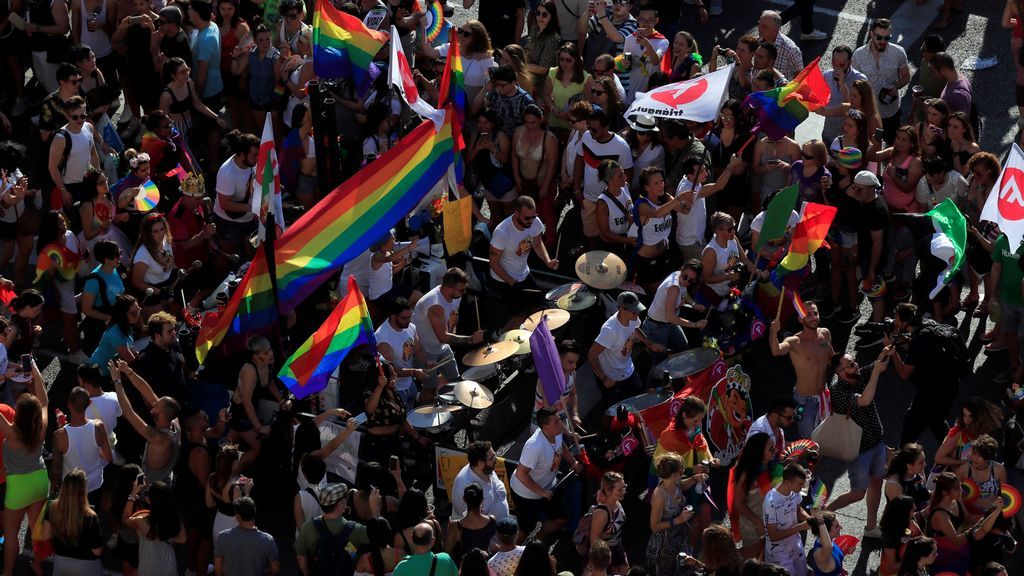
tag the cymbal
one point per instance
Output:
(577, 301)
(559, 291)
(600, 269)
(519, 336)
(426, 417)
(472, 395)
(491, 353)
(556, 318)
(688, 363)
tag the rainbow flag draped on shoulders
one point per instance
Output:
(343, 46)
(780, 110)
(308, 370)
(340, 227)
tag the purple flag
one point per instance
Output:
(549, 365)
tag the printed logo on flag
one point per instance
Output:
(676, 98)
(1011, 194)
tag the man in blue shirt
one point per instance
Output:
(206, 72)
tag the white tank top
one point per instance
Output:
(617, 219)
(81, 154)
(98, 39)
(655, 230)
(84, 453)
(724, 258)
(657, 310)
(403, 345)
(381, 279)
(420, 318)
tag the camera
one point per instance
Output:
(687, 565)
(886, 326)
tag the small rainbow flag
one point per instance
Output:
(349, 326)
(65, 260)
(343, 46)
(453, 91)
(780, 110)
(808, 236)
(819, 493)
(336, 230)
(799, 306)
(148, 196)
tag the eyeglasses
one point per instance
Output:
(787, 417)
(807, 156)
(598, 92)
(542, 14)
(463, 32)
(77, 116)
(881, 38)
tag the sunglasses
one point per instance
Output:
(807, 156)
(622, 2)
(883, 38)
(598, 92)
(77, 116)
(464, 32)
(542, 14)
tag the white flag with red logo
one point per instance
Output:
(400, 76)
(698, 99)
(267, 193)
(1005, 203)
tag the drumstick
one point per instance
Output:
(558, 245)
(476, 305)
(438, 365)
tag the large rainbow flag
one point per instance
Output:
(343, 46)
(780, 110)
(340, 227)
(308, 370)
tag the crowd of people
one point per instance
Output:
(130, 136)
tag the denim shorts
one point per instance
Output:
(868, 465)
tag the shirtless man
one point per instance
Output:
(810, 350)
(163, 438)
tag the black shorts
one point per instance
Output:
(529, 511)
(398, 290)
(8, 230)
(651, 270)
(523, 295)
(203, 124)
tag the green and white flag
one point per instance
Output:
(949, 241)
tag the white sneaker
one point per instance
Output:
(814, 35)
(78, 358)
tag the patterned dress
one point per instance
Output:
(665, 545)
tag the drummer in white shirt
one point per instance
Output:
(611, 354)
(398, 343)
(480, 471)
(511, 244)
(664, 325)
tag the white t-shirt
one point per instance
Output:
(691, 229)
(10, 214)
(234, 183)
(782, 512)
(106, 408)
(495, 498)
(758, 222)
(641, 67)
(618, 343)
(955, 188)
(618, 221)
(725, 257)
(474, 70)
(403, 347)
(515, 246)
(762, 426)
(360, 268)
(155, 272)
(505, 563)
(593, 152)
(542, 458)
(80, 156)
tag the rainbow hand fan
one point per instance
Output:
(800, 450)
(433, 21)
(1011, 500)
(971, 490)
(148, 196)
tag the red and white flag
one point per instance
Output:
(1005, 203)
(266, 196)
(400, 76)
(698, 99)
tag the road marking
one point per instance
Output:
(909, 21)
(825, 11)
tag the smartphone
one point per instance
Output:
(879, 134)
(140, 479)
(486, 135)
(361, 418)
(394, 462)
(26, 363)
(135, 20)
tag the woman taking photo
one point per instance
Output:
(533, 150)
(542, 45)
(962, 141)
(982, 473)
(609, 518)
(920, 556)
(897, 525)
(563, 87)
(948, 525)
(257, 382)
(934, 131)
(773, 161)
(160, 529)
(669, 515)
(74, 528)
(721, 254)
(903, 170)
(749, 483)
(905, 476)
(614, 209)
(153, 270)
(124, 505)
(27, 481)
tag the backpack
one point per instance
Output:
(332, 558)
(581, 537)
(92, 329)
(949, 345)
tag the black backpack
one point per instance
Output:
(332, 559)
(949, 347)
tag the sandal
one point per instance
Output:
(970, 301)
(982, 310)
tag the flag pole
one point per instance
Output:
(745, 144)
(268, 252)
(782, 298)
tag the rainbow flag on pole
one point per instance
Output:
(343, 46)
(453, 90)
(781, 110)
(808, 236)
(340, 227)
(309, 368)
(65, 260)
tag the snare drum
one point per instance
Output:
(486, 375)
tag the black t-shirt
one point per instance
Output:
(868, 218)
(177, 46)
(844, 398)
(934, 380)
(89, 538)
(499, 17)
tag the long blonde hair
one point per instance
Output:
(69, 511)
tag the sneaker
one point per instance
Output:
(716, 8)
(78, 357)
(814, 35)
(850, 316)
(869, 341)
(875, 533)
(995, 346)
(830, 312)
